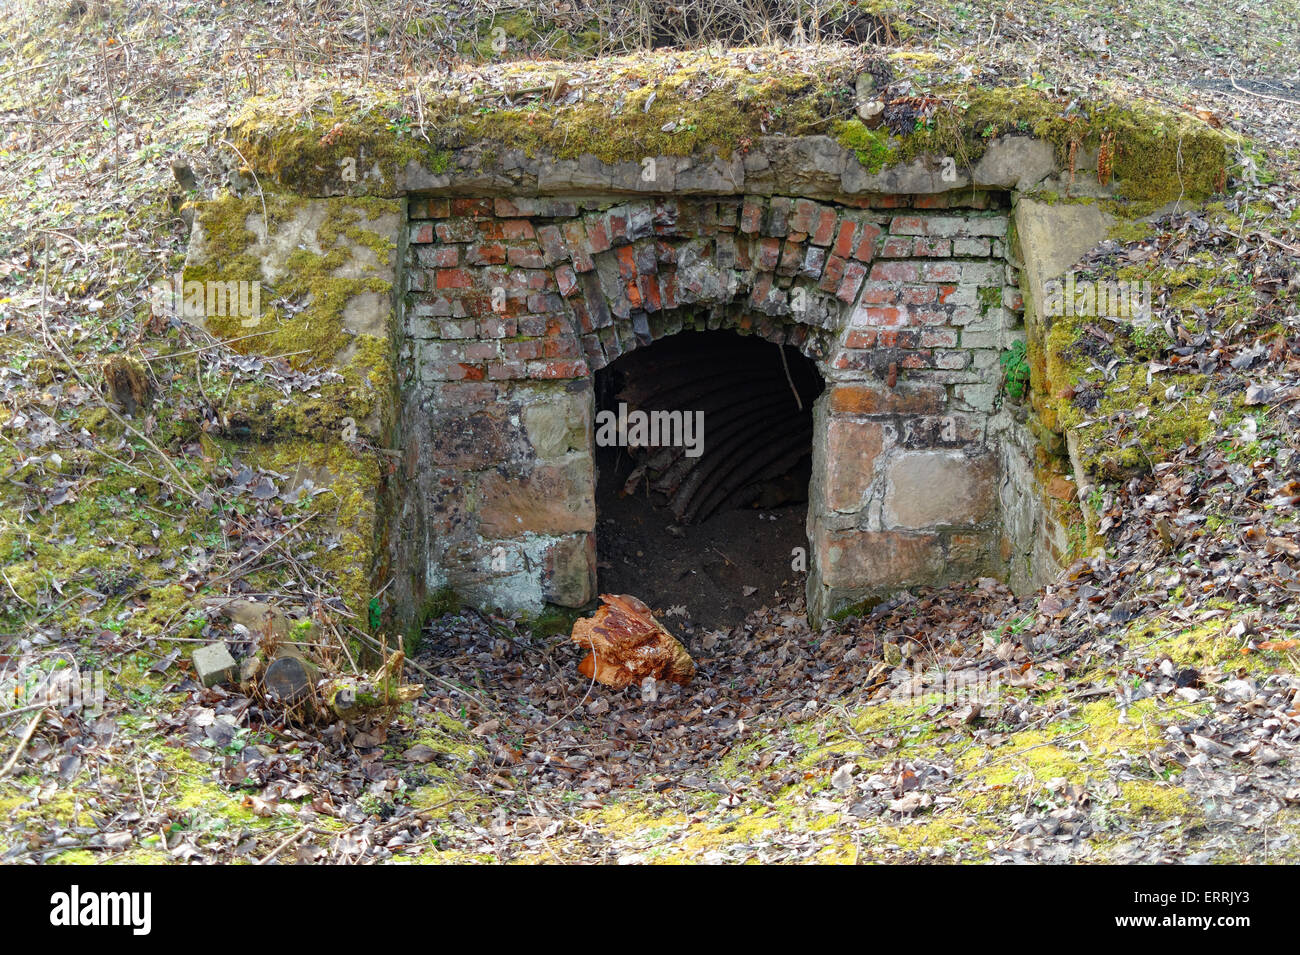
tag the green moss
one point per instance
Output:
(874, 149)
(347, 515)
(692, 105)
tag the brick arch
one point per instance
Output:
(585, 282)
(903, 302)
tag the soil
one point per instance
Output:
(717, 571)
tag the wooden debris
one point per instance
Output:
(628, 644)
(128, 384)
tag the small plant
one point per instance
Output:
(1015, 371)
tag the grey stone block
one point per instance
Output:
(213, 664)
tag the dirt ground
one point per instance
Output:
(717, 571)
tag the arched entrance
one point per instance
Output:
(703, 444)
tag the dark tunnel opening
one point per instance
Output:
(703, 454)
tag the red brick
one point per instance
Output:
(502, 370)
(791, 257)
(769, 253)
(428, 209)
(932, 247)
(897, 272)
(552, 243)
(524, 257)
(481, 351)
(944, 292)
(574, 368)
(895, 247)
(941, 272)
(896, 337)
(478, 208)
(516, 229)
(930, 316)
(877, 316)
(456, 230)
(668, 289)
(575, 237)
(802, 219)
(453, 278)
(485, 255)
(917, 359)
(832, 274)
(824, 228)
(880, 293)
(918, 295)
(935, 201)
(854, 273)
(907, 398)
(909, 225)
(860, 338)
(497, 328)
(561, 348)
(866, 249)
(844, 239)
(422, 234)
(566, 280)
(522, 351)
(751, 216)
(938, 338)
(472, 372)
(617, 225)
(626, 256)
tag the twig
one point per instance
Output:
(786, 365)
(1241, 89)
(22, 743)
(284, 845)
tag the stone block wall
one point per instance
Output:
(904, 302)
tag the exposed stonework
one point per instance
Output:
(903, 302)
(525, 273)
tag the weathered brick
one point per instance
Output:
(873, 399)
(476, 208)
(778, 217)
(854, 273)
(525, 257)
(552, 243)
(896, 247)
(899, 272)
(484, 254)
(844, 238)
(832, 274)
(453, 278)
(437, 256)
(866, 248)
(566, 280)
(517, 229)
(932, 247)
(813, 261)
(801, 220)
(823, 230)
(560, 368)
(941, 272)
